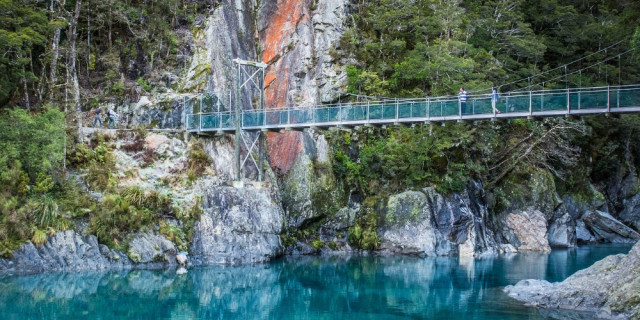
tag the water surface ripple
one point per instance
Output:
(299, 288)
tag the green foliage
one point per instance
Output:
(198, 161)
(144, 84)
(30, 176)
(363, 234)
(36, 141)
(175, 235)
(318, 244)
(46, 210)
(115, 217)
(430, 47)
(23, 34)
(39, 238)
(398, 158)
(188, 218)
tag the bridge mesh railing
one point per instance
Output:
(546, 102)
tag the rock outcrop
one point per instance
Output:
(297, 38)
(526, 230)
(631, 212)
(148, 247)
(606, 227)
(64, 251)
(427, 223)
(237, 226)
(608, 289)
(407, 226)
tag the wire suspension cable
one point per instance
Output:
(577, 71)
(554, 69)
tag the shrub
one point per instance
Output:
(134, 195)
(39, 238)
(46, 210)
(318, 244)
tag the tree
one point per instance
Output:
(23, 32)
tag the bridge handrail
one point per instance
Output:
(547, 102)
(440, 99)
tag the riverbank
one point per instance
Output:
(609, 289)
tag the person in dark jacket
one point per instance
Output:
(96, 117)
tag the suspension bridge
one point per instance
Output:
(530, 104)
(247, 118)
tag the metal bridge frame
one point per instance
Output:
(522, 104)
(250, 74)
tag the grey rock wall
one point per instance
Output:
(237, 226)
(65, 251)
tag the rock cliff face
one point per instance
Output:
(228, 33)
(69, 251)
(237, 226)
(610, 288)
(427, 223)
(297, 37)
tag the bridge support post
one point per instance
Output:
(238, 134)
(254, 72)
(261, 155)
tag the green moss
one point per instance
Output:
(288, 240)
(318, 244)
(134, 256)
(333, 245)
(364, 235)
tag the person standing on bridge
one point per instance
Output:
(494, 99)
(463, 96)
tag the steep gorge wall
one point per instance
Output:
(297, 37)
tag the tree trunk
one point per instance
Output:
(75, 86)
(55, 49)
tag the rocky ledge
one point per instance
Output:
(610, 289)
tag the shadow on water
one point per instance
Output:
(299, 288)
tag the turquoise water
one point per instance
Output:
(299, 288)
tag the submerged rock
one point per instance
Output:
(237, 226)
(610, 288)
(604, 226)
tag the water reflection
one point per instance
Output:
(298, 288)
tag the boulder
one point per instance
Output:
(147, 247)
(606, 227)
(631, 212)
(407, 227)
(462, 221)
(526, 230)
(153, 141)
(181, 258)
(562, 232)
(583, 235)
(238, 225)
(609, 288)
